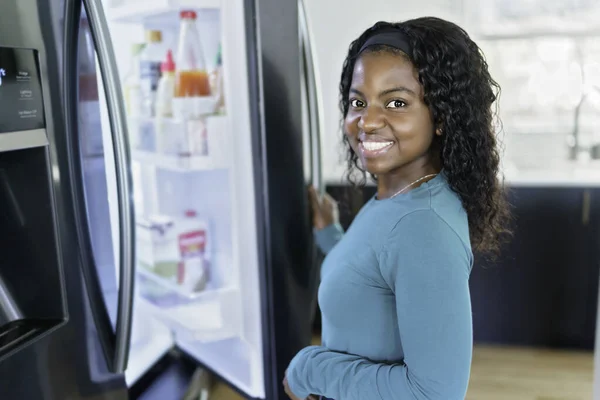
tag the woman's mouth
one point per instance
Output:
(370, 149)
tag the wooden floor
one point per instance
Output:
(501, 373)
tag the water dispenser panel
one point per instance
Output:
(21, 102)
(32, 294)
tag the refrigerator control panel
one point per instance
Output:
(21, 102)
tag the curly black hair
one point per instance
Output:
(459, 92)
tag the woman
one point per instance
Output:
(416, 98)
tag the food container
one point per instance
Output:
(175, 249)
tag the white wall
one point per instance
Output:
(540, 93)
(539, 84)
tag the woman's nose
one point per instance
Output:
(371, 120)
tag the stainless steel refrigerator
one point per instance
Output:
(120, 252)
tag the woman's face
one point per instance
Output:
(388, 124)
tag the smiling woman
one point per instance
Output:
(416, 101)
(438, 73)
(388, 124)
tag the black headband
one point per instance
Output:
(393, 38)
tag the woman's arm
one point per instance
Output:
(325, 214)
(328, 237)
(427, 266)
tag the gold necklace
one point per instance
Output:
(409, 185)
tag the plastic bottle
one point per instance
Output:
(192, 88)
(168, 138)
(150, 63)
(216, 83)
(132, 84)
(140, 133)
(166, 87)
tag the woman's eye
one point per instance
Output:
(355, 103)
(396, 104)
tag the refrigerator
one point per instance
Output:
(121, 254)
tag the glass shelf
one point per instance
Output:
(136, 11)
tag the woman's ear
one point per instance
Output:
(438, 131)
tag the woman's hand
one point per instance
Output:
(291, 395)
(324, 210)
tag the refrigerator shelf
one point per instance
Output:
(176, 145)
(181, 293)
(141, 11)
(179, 163)
(201, 322)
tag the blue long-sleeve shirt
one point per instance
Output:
(395, 303)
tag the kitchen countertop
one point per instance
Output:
(553, 179)
(568, 175)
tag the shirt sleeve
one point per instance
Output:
(328, 237)
(427, 267)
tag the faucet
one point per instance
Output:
(573, 141)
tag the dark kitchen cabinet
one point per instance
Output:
(543, 289)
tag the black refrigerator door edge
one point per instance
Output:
(314, 133)
(306, 117)
(262, 197)
(314, 98)
(289, 276)
(88, 262)
(115, 103)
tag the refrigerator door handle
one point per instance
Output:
(119, 133)
(307, 134)
(314, 99)
(88, 262)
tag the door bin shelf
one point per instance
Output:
(164, 292)
(206, 316)
(181, 145)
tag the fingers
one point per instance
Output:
(328, 199)
(330, 205)
(312, 192)
(314, 197)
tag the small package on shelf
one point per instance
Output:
(174, 251)
(218, 139)
(142, 134)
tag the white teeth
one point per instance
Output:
(374, 146)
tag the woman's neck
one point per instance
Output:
(407, 177)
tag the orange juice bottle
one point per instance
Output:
(192, 97)
(192, 84)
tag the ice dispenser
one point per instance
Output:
(32, 294)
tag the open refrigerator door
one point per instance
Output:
(183, 68)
